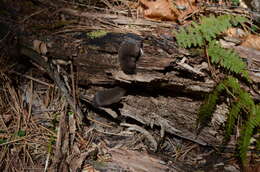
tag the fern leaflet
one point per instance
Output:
(227, 59)
(242, 102)
(247, 132)
(210, 27)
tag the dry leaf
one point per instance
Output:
(235, 33)
(158, 10)
(40, 47)
(166, 10)
(252, 41)
(248, 40)
(185, 7)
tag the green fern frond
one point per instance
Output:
(242, 102)
(233, 85)
(245, 142)
(247, 132)
(258, 144)
(232, 116)
(207, 108)
(204, 34)
(244, 98)
(258, 139)
(210, 27)
(256, 117)
(227, 59)
(235, 20)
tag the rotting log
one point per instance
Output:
(156, 95)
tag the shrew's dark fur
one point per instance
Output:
(108, 97)
(128, 54)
